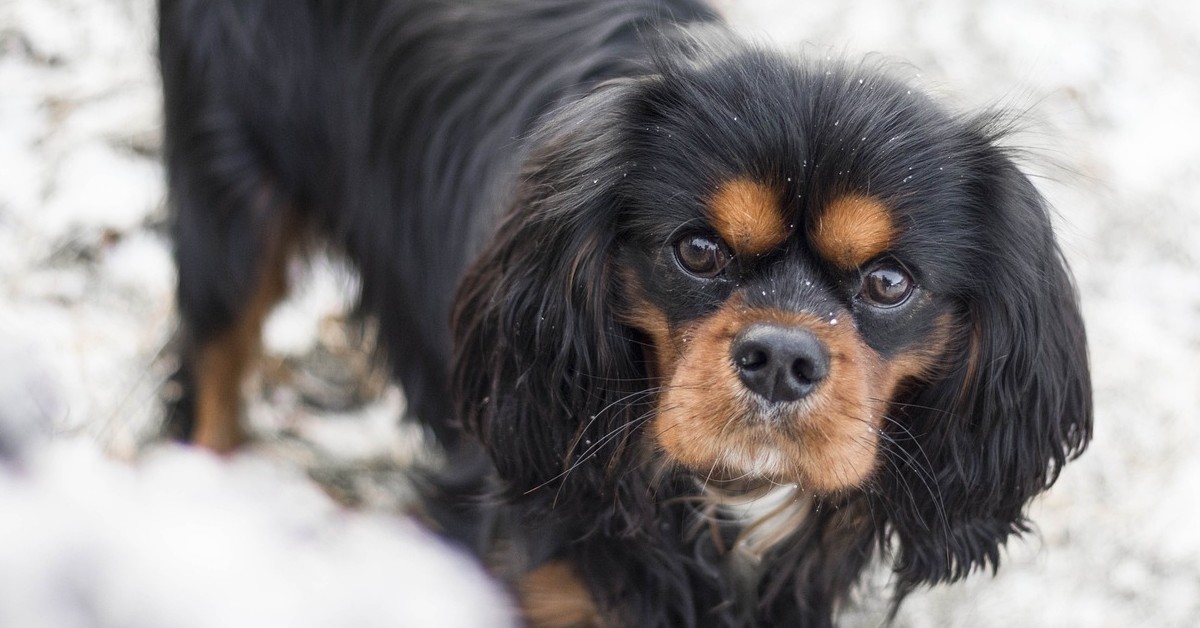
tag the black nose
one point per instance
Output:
(779, 363)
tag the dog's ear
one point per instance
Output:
(543, 373)
(1015, 404)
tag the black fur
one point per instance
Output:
(509, 160)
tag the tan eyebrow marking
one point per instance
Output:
(852, 230)
(748, 216)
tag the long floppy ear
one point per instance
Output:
(1016, 405)
(544, 374)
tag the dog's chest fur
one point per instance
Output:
(762, 519)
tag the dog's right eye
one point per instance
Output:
(702, 256)
(887, 285)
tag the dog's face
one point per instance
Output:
(778, 334)
(751, 268)
(791, 284)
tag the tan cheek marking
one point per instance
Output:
(837, 442)
(700, 400)
(663, 354)
(708, 422)
(553, 596)
(922, 362)
(649, 319)
(748, 216)
(852, 230)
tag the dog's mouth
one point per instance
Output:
(762, 395)
(768, 396)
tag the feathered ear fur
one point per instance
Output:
(1016, 406)
(543, 373)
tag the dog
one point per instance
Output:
(703, 329)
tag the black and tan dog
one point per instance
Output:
(720, 326)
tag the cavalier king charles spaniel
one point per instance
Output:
(704, 330)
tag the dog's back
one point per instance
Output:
(392, 128)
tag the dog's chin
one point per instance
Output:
(750, 457)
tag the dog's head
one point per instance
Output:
(754, 269)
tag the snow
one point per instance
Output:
(185, 539)
(127, 201)
(102, 527)
(293, 328)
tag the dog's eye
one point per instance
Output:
(702, 256)
(887, 285)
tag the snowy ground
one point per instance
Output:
(152, 536)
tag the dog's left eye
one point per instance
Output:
(702, 256)
(887, 285)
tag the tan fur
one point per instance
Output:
(553, 596)
(646, 317)
(828, 441)
(852, 230)
(748, 216)
(222, 363)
